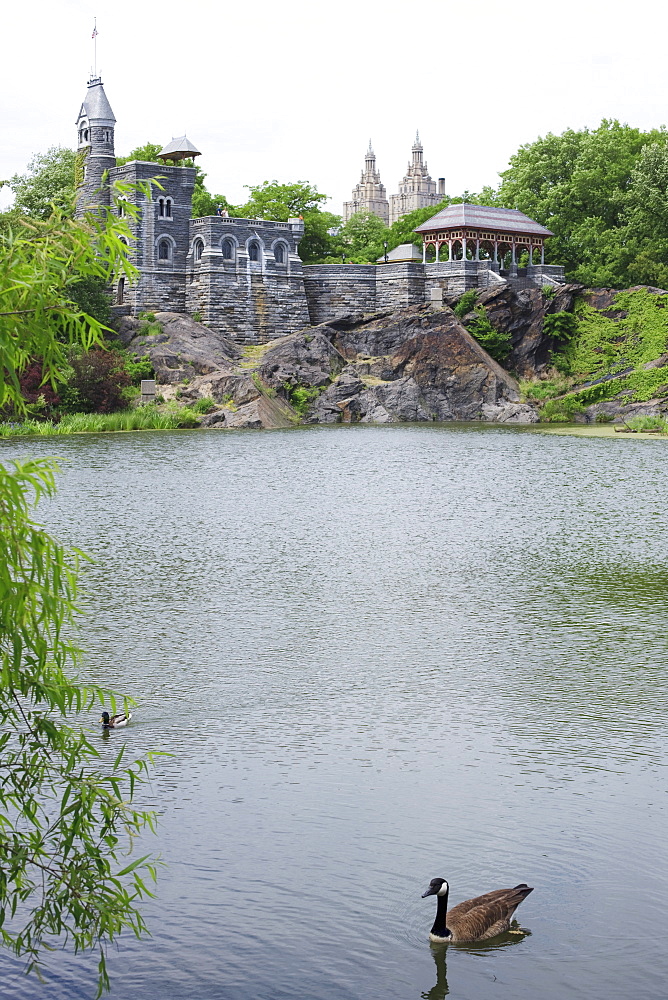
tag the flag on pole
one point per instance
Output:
(94, 32)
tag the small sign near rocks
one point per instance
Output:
(148, 390)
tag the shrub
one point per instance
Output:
(204, 405)
(497, 343)
(41, 398)
(549, 291)
(560, 325)
(197, 317)
(560, 411)
(301, 396)
(466, 303)
(96, 384)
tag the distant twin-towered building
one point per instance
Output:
(244, 277)
(416, 190)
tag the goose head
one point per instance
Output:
(437, 887)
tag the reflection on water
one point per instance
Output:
(440, 987)
(373, 654)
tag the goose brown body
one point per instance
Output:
(476, 919)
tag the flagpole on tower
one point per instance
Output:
(94, 37)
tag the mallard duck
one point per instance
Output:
(115, 721)
(475, 919)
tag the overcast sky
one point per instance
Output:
(294, 90)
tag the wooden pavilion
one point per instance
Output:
(471, 229)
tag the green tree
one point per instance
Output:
(49, 181)
(575, 183)
(63, 877)
(148, 153)
(280, 202)
(362, 237)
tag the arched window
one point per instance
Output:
(164, 250)
(228, 249)
(120, 291)
(161, 207)
(168, 208)
(199, 249)
(279, 253)
(254, 251)
(85, 135)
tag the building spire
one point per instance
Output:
(94, 37)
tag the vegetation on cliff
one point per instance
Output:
(619, 353)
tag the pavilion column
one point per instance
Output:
(530, 254)
(496, 252)
(438, 247)
(542, 254)
(449, 249)
(463, 248)
(424, 252)
(477, 249)
(513, 258)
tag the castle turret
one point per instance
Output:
(95, 148)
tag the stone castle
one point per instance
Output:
(416, 190)
(244, 277)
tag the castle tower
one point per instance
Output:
(369, 195)
(95, 148)
(417, 189)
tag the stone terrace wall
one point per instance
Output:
(339, 289)
(400, 285)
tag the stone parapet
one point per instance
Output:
(245, 277)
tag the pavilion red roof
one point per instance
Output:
(507, 220)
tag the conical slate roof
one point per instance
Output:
(179, 149)
(96, 107)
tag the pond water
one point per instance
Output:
(376, 656)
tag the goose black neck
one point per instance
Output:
(440, 929)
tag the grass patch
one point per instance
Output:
(655, 424)
(252, 355)
(145, 418)
(538, 390)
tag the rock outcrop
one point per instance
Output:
(520, 312)
(415, 364)
(411, 365)
(181, 349)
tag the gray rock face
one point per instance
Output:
(413, 365)
(510, 413)
(617, 412)
(416, 364)
(182, 350)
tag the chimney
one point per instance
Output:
(441, 185)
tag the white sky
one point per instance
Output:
(294, 90)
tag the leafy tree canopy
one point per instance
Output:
(49, 181)
(362, 237)
(64, 877)
(280, 202)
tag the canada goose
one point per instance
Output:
(475, 919)
(115, 721)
